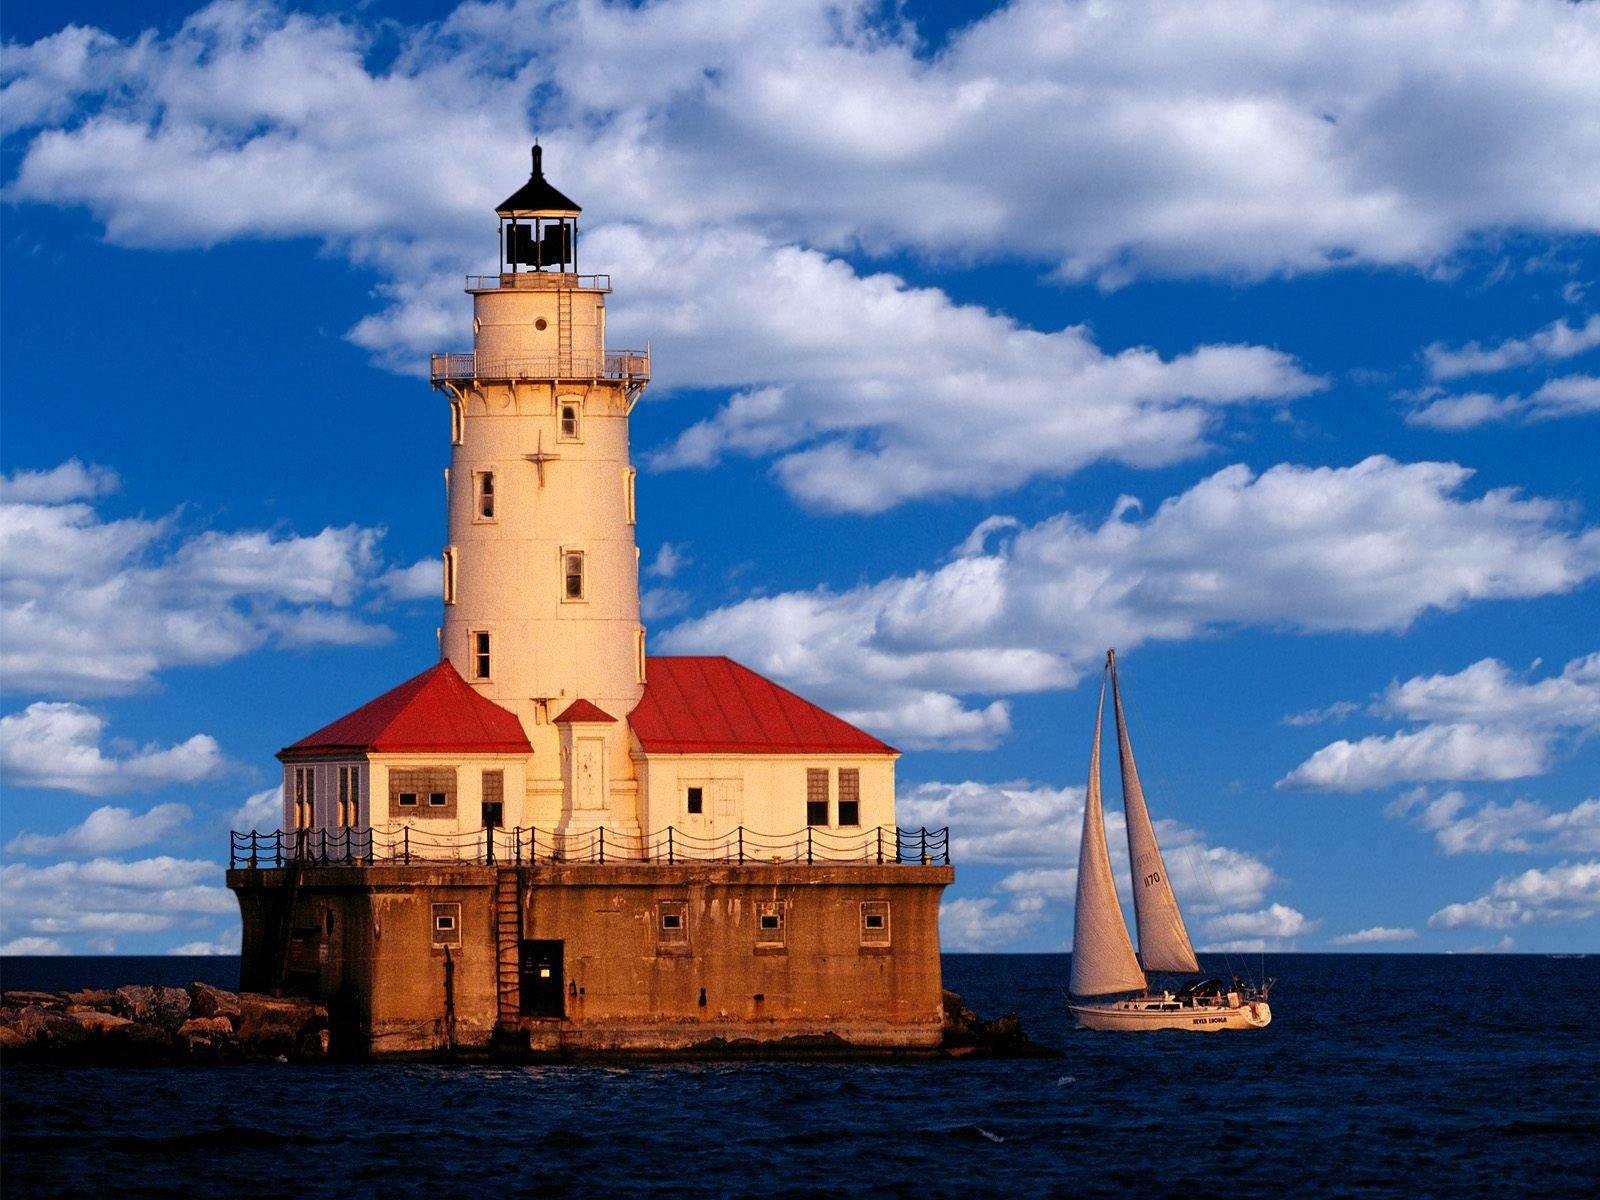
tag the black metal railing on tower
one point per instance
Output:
(404, 844)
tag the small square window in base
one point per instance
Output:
(874, 922)
(447, 924)
(672, 927)
(769, 926)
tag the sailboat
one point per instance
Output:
(1104, 965)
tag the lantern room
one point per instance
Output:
(538, 226)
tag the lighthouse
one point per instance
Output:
(541, 572)
(549, 840)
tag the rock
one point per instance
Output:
(12, 1039)
(34, 1000)
(208, 1038)
(96, 998)
(208, 1001)
(164, 1007)
(95, 1022)
(136, 1042)
(314, 1046)
(270, 1026)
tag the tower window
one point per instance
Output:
(639, 654)
(485, 495)
(629, 499)
(816, 796)
(449, 574)
(480, 655)
(571, 421)
(458, 423)
(849, 796)
(572, 575)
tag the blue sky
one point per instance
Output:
(1260, 341)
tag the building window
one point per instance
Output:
(483, 495)
(639, 654)
(447, 924)
(422, 791)
(571, 421)
(305, 797)
(458, 423)
(629, 499)
(572, 575)
(769, 925)
(449, 574)
(695, 800)
(816, 796)
(849, 796)
(874, 922)
(349, 797)
(481, 661)
(672, 926)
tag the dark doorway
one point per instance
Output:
(542, 994)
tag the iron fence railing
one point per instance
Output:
(366, 845)
(538, 281)
(554, 364)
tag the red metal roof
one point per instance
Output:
(435, 713)
(712, 705)
(582, 710)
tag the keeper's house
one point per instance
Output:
(550, 839)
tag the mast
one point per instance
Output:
(1163, 941)
(1103, 961)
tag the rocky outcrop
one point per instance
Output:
(199, 1023)
(965, 1034)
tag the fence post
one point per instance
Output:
(405, 840)
(741, 843)
(880, 845)
(808, 843)
(602, 843)
(669, 845)
(488, 831)
(253, 845)
(924, 845)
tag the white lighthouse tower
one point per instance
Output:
(541, 588)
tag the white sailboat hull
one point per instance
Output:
(1157, 1012)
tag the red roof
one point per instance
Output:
(436, 712)
(582, 710)
(696, 705)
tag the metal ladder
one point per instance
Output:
(508, 944)
(564, 331)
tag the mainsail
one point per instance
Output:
(1102, 956)
(1163, 941)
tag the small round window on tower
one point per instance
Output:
(541, 324)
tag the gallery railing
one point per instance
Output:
(362, 846)
(552, 364)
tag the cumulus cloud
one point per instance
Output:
(106, 830)
(1276, 927)
(1483, 723)
(1569, 892)
(53, 744)
(422, 580)
(1568, 396)
(1377, 935)
(1363, 548)
(91, 606)
(1556, 341)
(104, 898)
(1036, 828)
(669, 560)
(261, 810)
(227, 944)
(744, 157)
(1460, 826)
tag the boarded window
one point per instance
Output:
(849, 796)
(874, 922)
(447, 924)
(672, 927)
(816, 796)
(422, 791)
(494, 787)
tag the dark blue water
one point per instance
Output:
(1380, 1076)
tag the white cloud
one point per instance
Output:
(1521, 827)
(34, 945)
(261, 810)
(57, 745)
(422, 580)
(1378, 934)
(90, 606)
(106, 830)
(227, 944)
(105, 898)
(1568, 396)
(1335, 712)
(973, 925)
(1569, 892)
(1363, 548)
(1275, 927)
(1556, 341)
(1483, 724)
(669, 560)
(742, 155)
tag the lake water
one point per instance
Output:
(1381, 1075)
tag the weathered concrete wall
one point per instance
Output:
(367, 943)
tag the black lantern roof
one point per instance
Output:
(537, 196)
